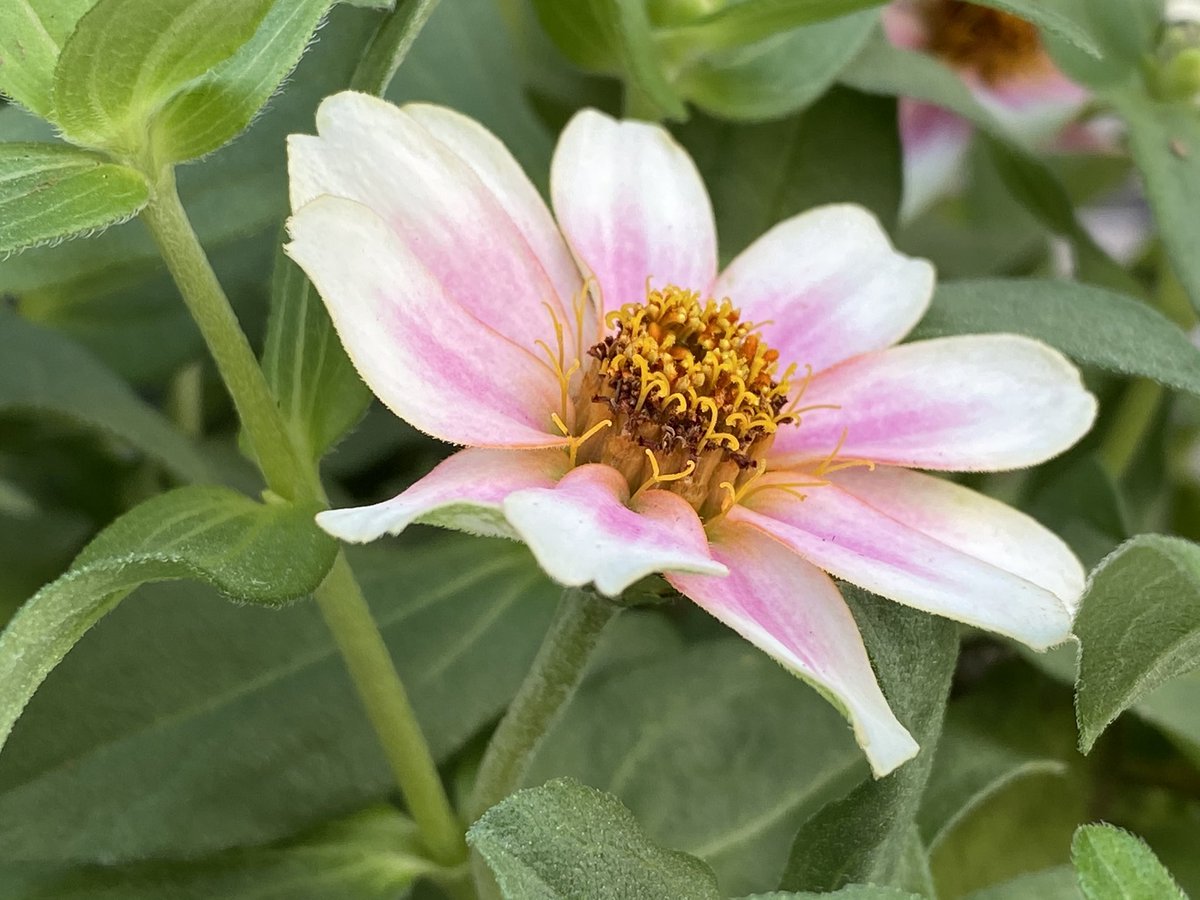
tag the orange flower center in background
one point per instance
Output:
(994, 45)
(692, 393)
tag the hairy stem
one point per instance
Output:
(551, 682)
(339, 597)
(227, 343)
(382, 693)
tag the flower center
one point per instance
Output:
(992, 44)
(692, 394)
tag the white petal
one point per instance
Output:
(848, 537)
(973, 403)
(971, 523)
(582, 531)
(464, 492)
(633, 207)
(794, 612)
(432, 364)
(477, 230)
(831, 286)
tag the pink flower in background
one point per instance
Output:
(1002, 61)
(627, 409)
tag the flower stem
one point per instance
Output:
(382, 693)
(339, 596)
(206, 301)
(390, 44)
(1131, 425)
(551, 682)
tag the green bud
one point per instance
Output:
(1177, 76)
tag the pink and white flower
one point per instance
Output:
(622, 423)
(1002, 61)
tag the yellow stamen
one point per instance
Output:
(657, 478)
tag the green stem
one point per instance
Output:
(551, 682)
(370, 664)
(185, 402)
(339, 597)
(389, 45)
(1130, 425)
(227, 343)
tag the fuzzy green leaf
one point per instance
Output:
(1114, 865)
(1123, 335)
(31, 34)
(257, 701)
(1165, 142)
(251, 552)
(374, 855)
(863, 837)
(44, 372)
(126, 58)
(776, 77)
(218, 107)
(1138, 627)
(680, 737)
(850, 892)
(565, 840)
(49, 191)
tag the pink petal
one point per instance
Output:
(831, 286)
(903, 25)
(582, 531)
(461, 205)
(935, 143)
(973, 403)
(849, 537)
(633, 207)
(464, 492)
(971, 523)
(1033, 107)
(793, 612)
(423, 355)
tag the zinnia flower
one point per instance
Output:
(626, 410)
(1002, 61)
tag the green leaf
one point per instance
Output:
(31, 34)
(681, 736)
(390, 45)
(776, 76)
(844, 148)
(750, 21)
(850, 892)
(243, 718)
(218, 107)
(45, 372)
(126, 58)
(564, 840)
(1114, 865)
(1165, 142)
(1050, 884)
(318, 389)
(48, 192)
(251, 552)
(374, 855)
(1138, 627)
(863, 837)
(972, 764)
(613, 37)
(1067, 20)
(1123, 335)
